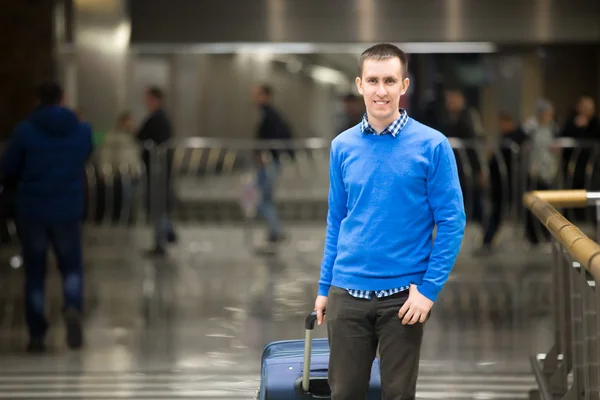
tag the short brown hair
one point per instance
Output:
(156, 92)
(266, 89)
(383, 51)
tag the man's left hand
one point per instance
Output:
(416, 308)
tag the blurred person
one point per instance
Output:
(434, 106)
(541, 131)
(583, 123)
(354, 109)
(501, 180)
(156, 130)
(46, 155)
(272, 127)
(392, 180)
(120, 147)
(460, 121)
(120, 151)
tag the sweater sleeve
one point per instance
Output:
(336, 213)
(445, 198)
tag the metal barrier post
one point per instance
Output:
(557, 361)
(127, 195)
(154, 191)
(92, 191)
(589, 340)
(577, 334)
(162, 193)
(516, 188)
(524, 182)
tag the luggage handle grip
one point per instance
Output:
(309, 325)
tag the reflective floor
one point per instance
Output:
(193, 325)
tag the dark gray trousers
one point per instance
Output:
(355, 328)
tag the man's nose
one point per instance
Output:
(381, 92)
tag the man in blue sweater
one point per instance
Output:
(46, 155)
(392, 180)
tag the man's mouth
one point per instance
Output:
(381, 102)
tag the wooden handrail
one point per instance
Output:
(583, 249)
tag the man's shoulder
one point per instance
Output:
(24, 132)
(25, 127)
(85, 128)
(347, 137)
(426, 134)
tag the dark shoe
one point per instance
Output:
(276, 237)
(172, 237)
(74, 330)
(36, 345)
(158, 251)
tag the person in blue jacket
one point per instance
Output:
(392, 181)
(46, 155)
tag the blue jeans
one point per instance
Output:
(266, 179)
(162, 230)
(65, 239)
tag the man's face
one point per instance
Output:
(547, 115)
(258, 96)
(381, 86)
(506, 125)
(455, 101)
(586, 106)
(150, 102)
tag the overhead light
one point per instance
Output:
(327, 75)
(294, 66)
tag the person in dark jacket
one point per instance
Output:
(461, 122)
(156, 130)
(582, 125)
(46, 155)
(272, 127)
(501, 179)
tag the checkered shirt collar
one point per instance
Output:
(394, 128)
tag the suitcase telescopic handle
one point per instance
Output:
(309, 325)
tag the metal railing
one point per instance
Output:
(218, 176)
(213, 178)
(571, 369)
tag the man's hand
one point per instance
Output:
(416, 308)
(320, 305)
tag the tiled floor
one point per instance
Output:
(193, 325)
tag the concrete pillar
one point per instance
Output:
(532, 83)
(186, 94)
(101, 33)
(27, 58)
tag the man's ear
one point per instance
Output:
(405, 85)
(359, 85)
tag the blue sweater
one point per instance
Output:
(386, 195)
(46, 155)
